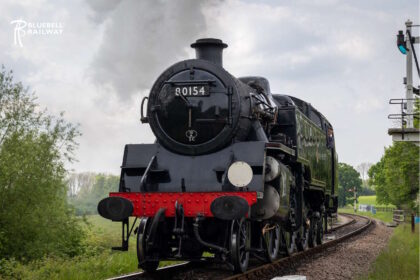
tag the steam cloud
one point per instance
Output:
(141, 39)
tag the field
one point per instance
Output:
(98, 262)
(383, 216)
(371, 200)
(400, 259)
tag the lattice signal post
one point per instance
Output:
(407, 132)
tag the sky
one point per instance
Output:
(95, 60)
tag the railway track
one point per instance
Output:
(354, 225)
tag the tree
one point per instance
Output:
(93, 188)
(348, 179)
(77, 182)
(35, 218)
(363, 169)
(396, 175)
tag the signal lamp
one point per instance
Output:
(401, 42)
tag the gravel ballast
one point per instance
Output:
(347, 260)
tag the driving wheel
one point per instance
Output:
(272, 242)
(303, 237)
(144, 253)
(313, 233)
(239, 241)
(320, 231)
(288, 242)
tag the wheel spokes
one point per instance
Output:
(239, 239)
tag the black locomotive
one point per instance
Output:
(235, 171)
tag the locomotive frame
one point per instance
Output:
(256, 175)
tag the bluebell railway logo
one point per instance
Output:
(23, 28)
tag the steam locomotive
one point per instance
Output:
(235, 171)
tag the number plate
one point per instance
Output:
(192, 91)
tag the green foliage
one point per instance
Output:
(97, 262)
(35, 219)
(400, 260)
(91, 191)
(342, 196)
(396, 175)
(101, 266)
(348, 179)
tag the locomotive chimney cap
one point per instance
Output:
(207, 42)
(209, 49)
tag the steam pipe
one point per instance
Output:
(202, 242)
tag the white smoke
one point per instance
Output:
(141, 39)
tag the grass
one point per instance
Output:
(400, 259)
(371, 200)
(98, 262)
(383, 216)
(99, 266)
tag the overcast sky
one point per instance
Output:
(341, 56)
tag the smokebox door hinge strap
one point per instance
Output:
(230, 93)
(192, 73)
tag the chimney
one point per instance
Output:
(209, 49)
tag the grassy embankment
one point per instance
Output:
(400, 259)
(99, 262)
(371, 200)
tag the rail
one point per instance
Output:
(256, 273)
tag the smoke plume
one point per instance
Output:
(142, 39)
